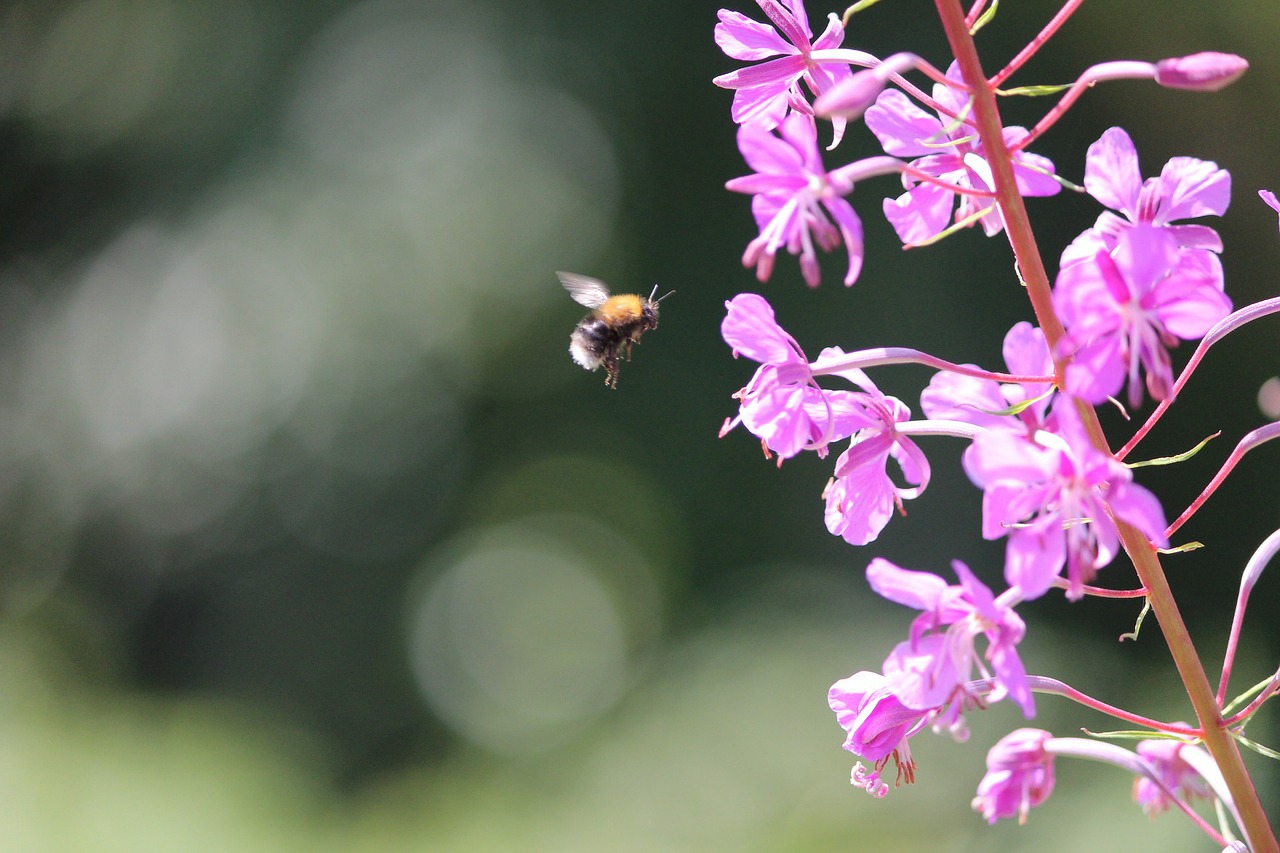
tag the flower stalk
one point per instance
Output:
(1212, 728)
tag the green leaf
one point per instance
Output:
(1036, 91)
(855, 9)
(1257, 747)
(987, 16)
(1134, 735)
(1187, 546)
(1181, 457)
(1137, 625)
(1016, 408)
(1244, 697)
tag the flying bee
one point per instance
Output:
(614, 322)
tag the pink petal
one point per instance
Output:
(922, 212)
(1097, 370)
(1034, 556)
(743, 38)
(1192, 188)
(901, 126)
(919, 590)
(924, 674)
(1111, 172)
(766, 153)
(750, 329)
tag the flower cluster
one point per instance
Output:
(1138, 281)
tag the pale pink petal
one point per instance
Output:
(919, 590)
(1192, 188)
(743, 38)
(902, 127)
(922, 212)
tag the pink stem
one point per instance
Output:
(1259, 436)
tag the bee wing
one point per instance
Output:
(591, 292)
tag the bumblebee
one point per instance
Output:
(614, 322)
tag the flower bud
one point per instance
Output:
(1201, 72)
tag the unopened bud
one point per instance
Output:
(1201, 72)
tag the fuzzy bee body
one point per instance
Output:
(615, 322)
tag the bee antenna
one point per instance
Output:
(660, 298)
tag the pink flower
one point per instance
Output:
(984, 402)
(1019, 776)
(1167, 758)
(796, 202)
(765, 92)
(1123, 309)
(862, 497)
(929, 669)
(1187, 188)
(878, 727)
(782, 404)
(1054, 497)
(949, 150)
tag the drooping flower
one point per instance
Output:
(797, 204)
(878, 727)
(1169, 759)
(862, 497)
(1053, 495)
(927, 670)
(1124, 308)
(1019, 776)
(1186, 189)
(782, 404)
(764, 93)
(948, 149)
(987, 403)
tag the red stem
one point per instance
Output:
(1217, 739)
(1029, 51)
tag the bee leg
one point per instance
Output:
(611, 370)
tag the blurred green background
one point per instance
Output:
(313, 538)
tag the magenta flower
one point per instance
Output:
(1054, 498)
(927, 670)
(878, 727)
(1167, 758)
(782, 404)
(983, 402)
(862, 497)
(1123, 309)
(765, 92)
(796, 202)
(949, 150)
(1019, 776)
(1187, 188)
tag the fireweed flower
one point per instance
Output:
(878, 727)
(927, 670)
(782, 404)
(1187, 188)
(765, 92)
(948, 149)
(983, 402)
(1050, 496)
(862, 497)
(1169, 759)
(1122, 310)
(795, 201)
(1019, 776)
